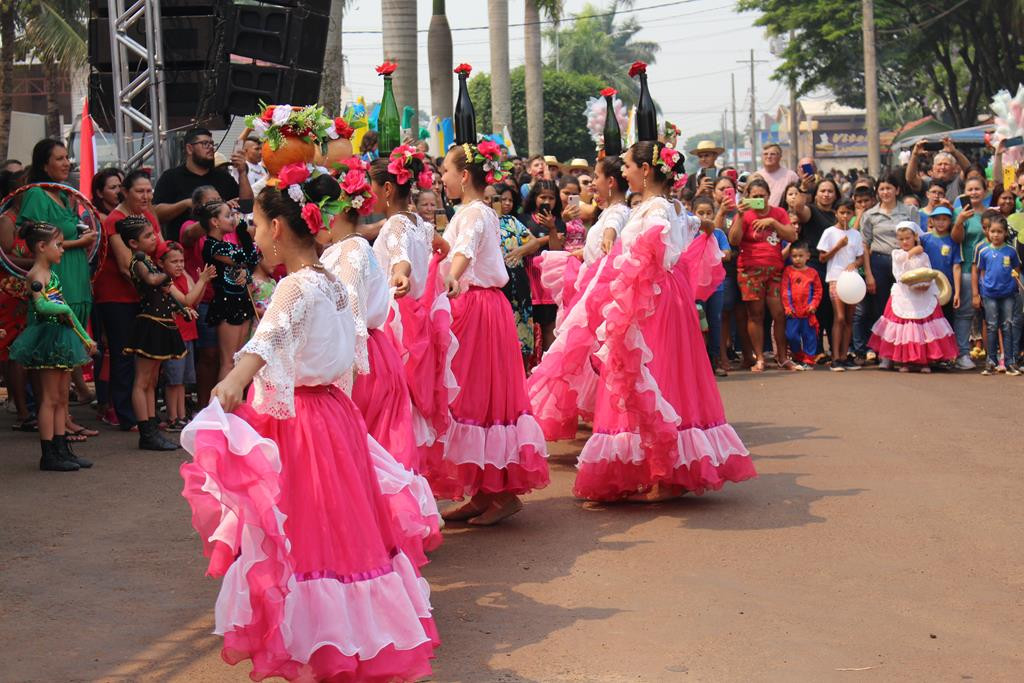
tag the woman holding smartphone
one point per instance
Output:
(758, 231)
(542, 215)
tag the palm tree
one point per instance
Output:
(334, 61)
(399, 21)
(501, 105)
(6, 71)
(439, 60)
(534, 69)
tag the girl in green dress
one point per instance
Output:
(54, 343)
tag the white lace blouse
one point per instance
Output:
(352, 261)
(614, 217)
(475, 234)
(306, 338)
(679, 227)
(402, 238)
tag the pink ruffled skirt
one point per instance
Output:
(914, 342)
(302, 599)
(493, 444)
(559, 271)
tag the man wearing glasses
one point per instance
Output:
(172, 197)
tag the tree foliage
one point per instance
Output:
(600, 43)
(565, 97)
(947, 58)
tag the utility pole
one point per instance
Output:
(735, 142)
(753, 108)
(794, 129)
(871, 87)
(725, 138)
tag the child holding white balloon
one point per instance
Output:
(913, 330)
(843, 250)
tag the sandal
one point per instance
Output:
(791, 366)
(462, 513)
(721, 372)
(758, 366)
(75, 437)
(495, 513)
(84, 431)
(29, 425)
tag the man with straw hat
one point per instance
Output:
(703, 181)
(578, 167)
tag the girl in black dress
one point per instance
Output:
(231, 310)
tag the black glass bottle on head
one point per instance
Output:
(612, 134)
(646, 116)
(465, 117)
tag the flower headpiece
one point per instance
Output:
(399, 163)
(488, 154)
(666, 157)
(275, 122)
(463, 69)
(637, 68)
(292, 181)
(386, 69)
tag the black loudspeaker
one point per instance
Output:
(189, 41)
(295, 38)
(190, 92)
(243, 86)
(315, 6)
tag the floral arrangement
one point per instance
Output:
(637, 68)
(355, 193)
(276, 122)
(386, 69)
(463, 69)
(344, 127)
(488, 153)
(398, 166)
(667, 158)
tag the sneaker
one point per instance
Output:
(174, 426)
(837, 366)
(964, 362)
(885, 364)
(110, 418)
(849, 364)
(859, 361)
(1001, 368)
(1012, 370)
(989, 369)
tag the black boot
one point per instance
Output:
(60, 442)
(150, 438)
(52, 460)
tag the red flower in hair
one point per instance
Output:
(314, 218)
(425, 179)
(489, 149)
(293, 174)
(342, 128)
(397, 168)
(463, 69)
(609, 92)
(355, 182)
(268, 114)
(369, 201)
(637, 68)
(386, 69)
(355, 164)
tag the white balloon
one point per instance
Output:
(851, 288)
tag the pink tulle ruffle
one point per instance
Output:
(559, 271)
(916, 342)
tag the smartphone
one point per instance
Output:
(808, 169)
(932, 146)
(574, 200)
(544, 210)
(756, 203)
(965, 201)
(729, 193)
(440, 219)
(496, 205)
(711, 173)
(1013, 142)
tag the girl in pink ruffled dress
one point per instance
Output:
(913, 330)
(659, 426)
(283, 489)
(420, 320)
(495, 450)
(379, 389)
(560, 402)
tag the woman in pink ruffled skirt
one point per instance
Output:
(659, 426)
(284, 491)
(494, 450)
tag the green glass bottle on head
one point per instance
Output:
(389, 125)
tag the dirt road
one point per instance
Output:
(882, 542)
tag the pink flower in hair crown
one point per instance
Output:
(425, 179)
(670, 157)
(386, 69)
(293, 174)
(637, 68)
(313, 216)
(463, 69)
(609, 92)
(489, 149)
(397, 168)
(355, 182)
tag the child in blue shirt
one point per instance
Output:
(944, 253)
(995, 278)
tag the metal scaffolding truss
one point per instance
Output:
(125, 52)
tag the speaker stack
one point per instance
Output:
(220, 58)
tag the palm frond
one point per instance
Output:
(55, 31)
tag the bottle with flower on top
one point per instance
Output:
(465, 116)
(612, 133)
(389, 126)
(646, 115)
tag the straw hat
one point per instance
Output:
(579, 163)
(219, 160)
(551, 160)
(707, 146)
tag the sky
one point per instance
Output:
(702, 41)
